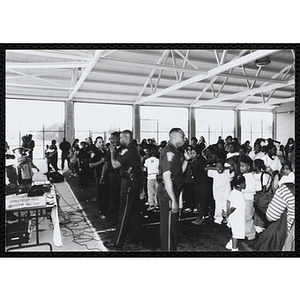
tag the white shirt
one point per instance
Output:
(237, 218)
(221, 184)
(151, 164)
(250, 189)
(254, 156)
(274, 163)
(231, 154)
(265, 180)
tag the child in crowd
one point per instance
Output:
(262, 178)
(262, 182)
(24, 166)
(221, 188)
(246, 164)
(232, 151)
(288, 174)
(272, 161)
(256, 153)
(151, 164)
(236, 212)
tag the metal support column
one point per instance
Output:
(237, 124)
(136, 122)
(274, 126)
(69, 121)
(191, 123)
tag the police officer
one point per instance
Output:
(97, 160)
(129, 163)
(113, 176)
(172, 165)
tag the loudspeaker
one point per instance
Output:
(18, 233)
(55, 177)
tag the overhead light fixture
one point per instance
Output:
(262, 62)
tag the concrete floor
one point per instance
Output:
(83, 229)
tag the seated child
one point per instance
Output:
(236, 212)
(221, 188)
(288, 174)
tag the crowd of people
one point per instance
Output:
(212, 183)
(223, 182)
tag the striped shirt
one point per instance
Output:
(283, 199)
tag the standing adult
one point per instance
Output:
(288, 149)
(30, 145)
(53, 155)
(113, 177)
(202, 141)
(129, 163)
(10, 167)
(65, 147)
(97, 160)
(74, 158)
(201, 184)
(172, 165)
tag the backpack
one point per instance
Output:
(262, 199)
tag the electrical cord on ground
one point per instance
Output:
(71, 221)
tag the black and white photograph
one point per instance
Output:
(158, 150)
(149, 150)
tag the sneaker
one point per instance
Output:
(229, 245)
(150, 208)
(259, 229)
(187, 210)
(235, 250)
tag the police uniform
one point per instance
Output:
(114, 184)
(97, 155)
(129, 212)
(171, 159)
